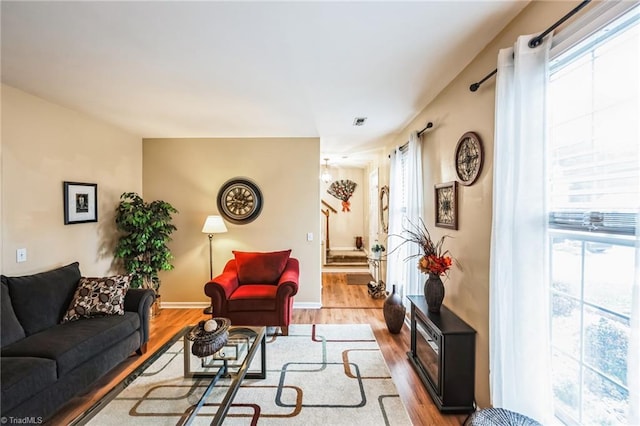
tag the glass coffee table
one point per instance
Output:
(232, 361)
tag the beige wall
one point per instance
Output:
(345, 226)
(455, 111)
(189, 172)
(44, 144)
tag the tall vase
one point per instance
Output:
(434, 292)
(394, 311)
(359, 243)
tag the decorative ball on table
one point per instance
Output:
(210, 325)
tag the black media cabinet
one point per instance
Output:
(443, 353)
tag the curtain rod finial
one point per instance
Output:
(474, 87)
(535, 42)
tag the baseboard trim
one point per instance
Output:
(183, 305)
(306, 305)
(191, 305)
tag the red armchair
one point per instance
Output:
(256, 289)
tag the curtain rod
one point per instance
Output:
(536, 41)
(428, 126)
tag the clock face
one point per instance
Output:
(240, 201)
(446, 208)
(469, 157)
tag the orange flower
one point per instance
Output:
(432, 264)
(434, 258)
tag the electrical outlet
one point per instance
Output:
(21, 255)
(309, 236)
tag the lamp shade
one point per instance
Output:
(214, 225)
(326, 175)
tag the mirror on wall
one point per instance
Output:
(384, 208)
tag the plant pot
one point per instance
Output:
(155, 306)
(394, 312)
(434, 292)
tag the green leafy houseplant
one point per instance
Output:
(146, 229)
(377, 247)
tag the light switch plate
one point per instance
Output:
(309, 236)
(21, 255)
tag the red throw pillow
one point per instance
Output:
(260, 268)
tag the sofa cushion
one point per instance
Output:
(41, 300)
(98, 296)
(11, 330)
(72, 343)
(263, 268)
(23, 377)
(256, 297)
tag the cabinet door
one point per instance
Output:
(458, 359)
(428, 353)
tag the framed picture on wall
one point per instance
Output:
(446, 201)
(80, 202)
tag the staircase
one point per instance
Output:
(346, 258)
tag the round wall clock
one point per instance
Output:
(239, 201)
(469, 156)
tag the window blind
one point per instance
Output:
(594, 148)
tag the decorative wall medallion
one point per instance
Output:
(469, 157)
(446, 202)
(239, 201)
(343, 190)
(384, 208)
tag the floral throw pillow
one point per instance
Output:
(98, 297)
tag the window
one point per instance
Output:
(404, 173)
(594, 176)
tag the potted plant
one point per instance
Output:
(377, 250)
(146, 230)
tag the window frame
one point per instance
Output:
(588, 226)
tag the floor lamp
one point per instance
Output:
(212, 225)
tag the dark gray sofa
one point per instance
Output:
(45, 363)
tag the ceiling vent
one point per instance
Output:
(359, 121)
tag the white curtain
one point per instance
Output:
(396, 212)
(406, 203)
(633, 360)
(414, 200)
(519, 344)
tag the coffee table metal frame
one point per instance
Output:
(236, 336)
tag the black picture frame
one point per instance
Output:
(446, 205)
(80, 202)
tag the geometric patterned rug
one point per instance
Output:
(324, 374)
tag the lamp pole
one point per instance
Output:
(209, 309)
(212, 225)
(210, 256)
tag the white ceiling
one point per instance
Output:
(248, 69)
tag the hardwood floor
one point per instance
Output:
(346, 304)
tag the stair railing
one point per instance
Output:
(327, 212)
